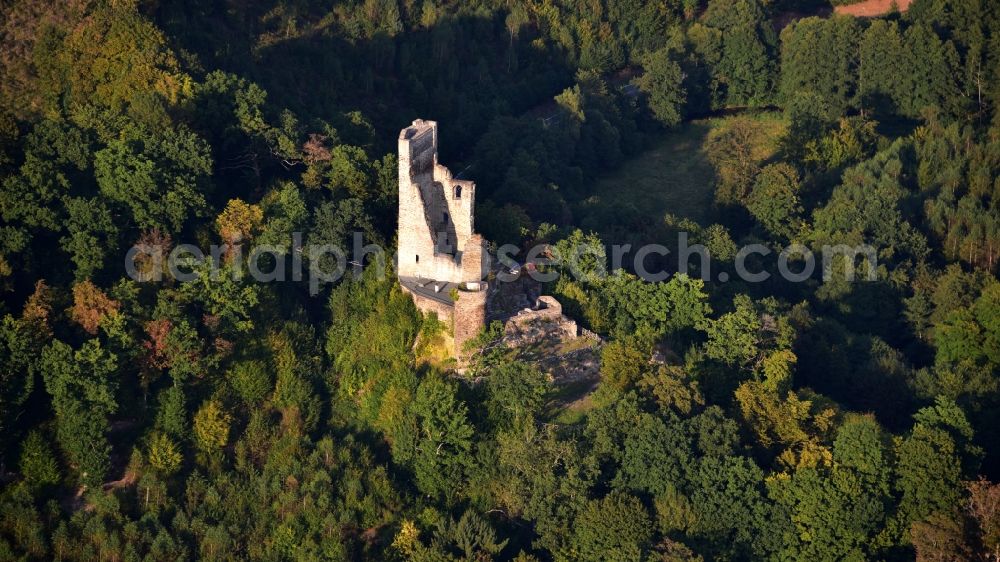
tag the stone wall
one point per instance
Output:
(470, 317)
(427, 306)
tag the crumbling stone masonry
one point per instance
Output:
(547, 310)
(442, 262)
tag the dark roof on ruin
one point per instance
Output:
(425, 288)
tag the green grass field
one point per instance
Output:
(675, 175)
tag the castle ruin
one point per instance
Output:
(442, 262)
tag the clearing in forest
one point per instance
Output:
(675, 175)
(872, 8)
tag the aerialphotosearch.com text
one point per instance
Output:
(321, 264)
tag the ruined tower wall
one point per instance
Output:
(475, 259)
(459, 202)
(435, 210)
(417, 147)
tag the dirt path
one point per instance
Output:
(871, 8)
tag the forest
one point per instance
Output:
(226, 419)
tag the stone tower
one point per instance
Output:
(440, 256)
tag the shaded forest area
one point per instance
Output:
(225, 419)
